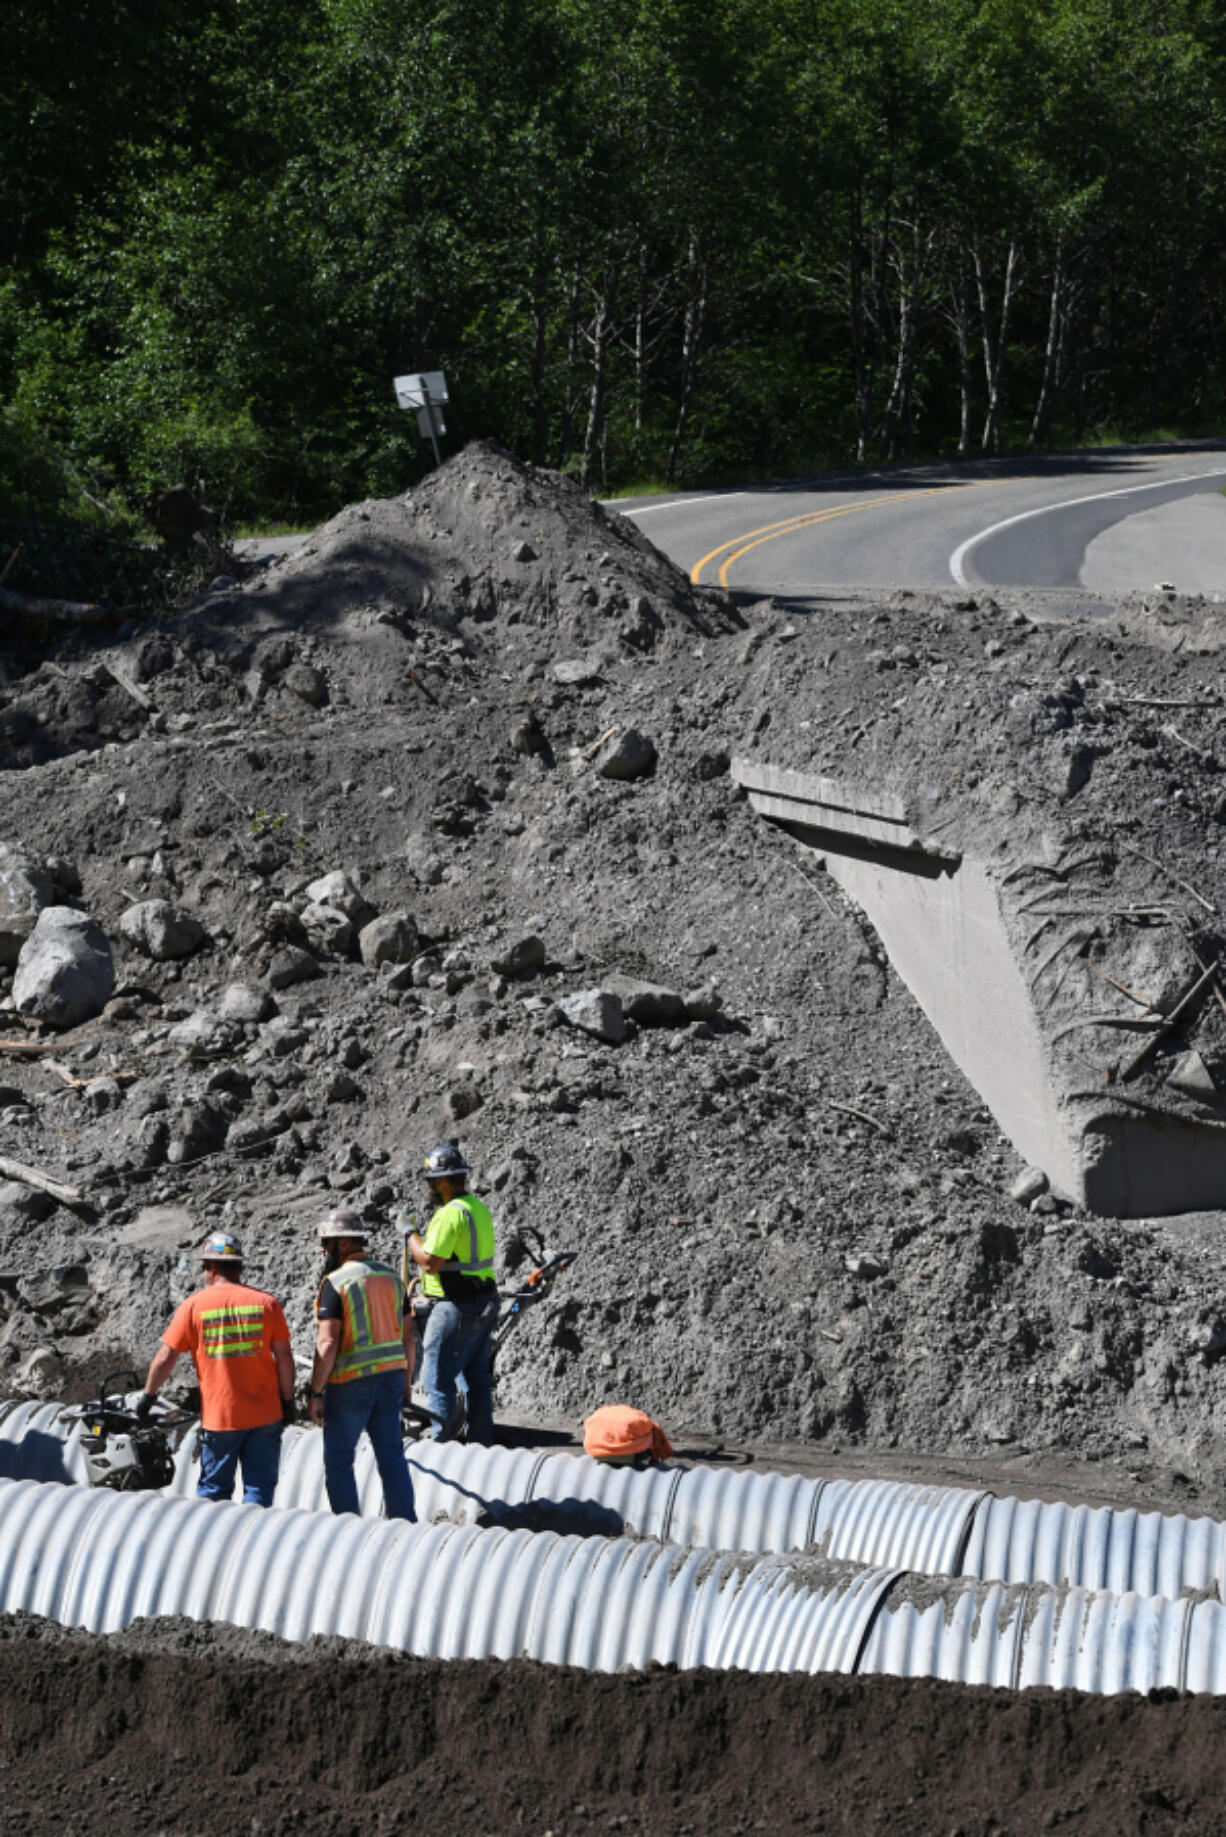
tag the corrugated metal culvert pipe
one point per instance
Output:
(100, 1560)
(941, 1530)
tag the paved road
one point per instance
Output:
(1103, 521)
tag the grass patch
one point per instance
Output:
(251, 529)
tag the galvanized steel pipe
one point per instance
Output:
(100, 1560)
(940, 1530)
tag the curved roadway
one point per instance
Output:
(1102, 522)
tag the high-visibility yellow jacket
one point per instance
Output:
(462, 1231)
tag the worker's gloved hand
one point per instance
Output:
(144, 1407)
(289, 1411)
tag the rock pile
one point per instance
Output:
(418, 906)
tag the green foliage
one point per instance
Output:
(673, 240)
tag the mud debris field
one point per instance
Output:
(430, 831)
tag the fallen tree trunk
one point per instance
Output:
(73, 612)
(30, 1176)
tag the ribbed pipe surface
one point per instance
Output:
(99, 1560)
(899, 1524)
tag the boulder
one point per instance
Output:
(25, 889)
(647, 1003)
(23, 1205)
(517, 959)
(205, 1035)
(65, 974)
(1030, 1185)
(282, 925)
(307, 683)
(391, 938)
(328, 929)
(576, 672)
(595, 1011)
(291, 965)
(198, 1130)
(626, 755)
(338, 891)
(246, 1005)
(161, 931)
(703, 1004)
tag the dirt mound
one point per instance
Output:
(205, 1731)
(494, 541)
(794, 1213)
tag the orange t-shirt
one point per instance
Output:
(230, 1331)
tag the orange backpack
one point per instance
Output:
(623, 1437)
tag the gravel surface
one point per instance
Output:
(492, 715)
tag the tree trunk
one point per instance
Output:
(598, 337)
(995, 340)
(1051, 354)
(691, 344)
(859, 341)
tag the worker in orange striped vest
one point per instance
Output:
(363, 1365)
(239, 1341)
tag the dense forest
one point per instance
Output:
(647, 239)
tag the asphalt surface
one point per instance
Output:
(1008, 523)
(1104, 522)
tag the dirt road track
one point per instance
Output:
(200, 1732)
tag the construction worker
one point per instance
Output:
(363, 1365)
(456, 1258)
(239, 1341)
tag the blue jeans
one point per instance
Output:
(373, 1405)
(456, 1349)
(259, 1450)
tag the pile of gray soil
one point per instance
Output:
(440, 820)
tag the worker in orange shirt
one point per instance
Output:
(240, 1343)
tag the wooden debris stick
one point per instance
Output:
(1030, 867)
(1221, 999)
(1134, 1023)
(1202, 752)
(1104, 911)
(418, 683)
(4, 571)
(27, 1049)
(1171, 1022)
(82, 1084)
(863, 1115)
(597, 744)
(1149, 1107)
(1142, 1001)
(1172, 877)
(129, 688)
(1060, 979)
(1148, 701)
(813, 887)
(30, 1176)
(1079, 935)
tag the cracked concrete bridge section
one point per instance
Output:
(948, 921)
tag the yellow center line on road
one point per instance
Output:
(771, 532)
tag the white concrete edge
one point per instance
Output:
(958, 558)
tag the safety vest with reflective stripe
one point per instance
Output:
(372, 1297)
(465, 1223)
(232, 1330)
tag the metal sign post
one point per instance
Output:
(426, 392)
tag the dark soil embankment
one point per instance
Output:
(201, 1732)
